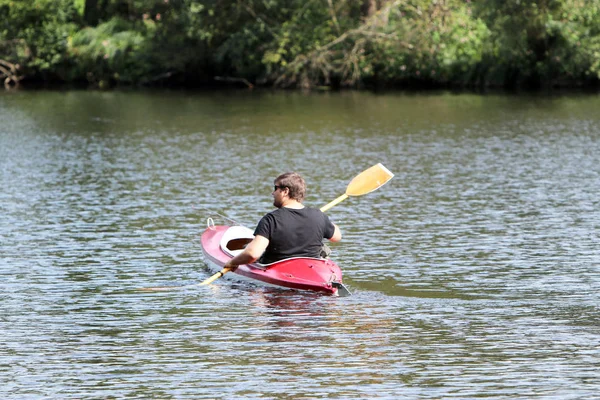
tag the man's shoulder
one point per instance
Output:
(314, 211)
(304, 210)
(271, 215)
(285, 212)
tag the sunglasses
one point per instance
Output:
(275, 187)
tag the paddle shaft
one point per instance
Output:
(334, 202)
(216, 276)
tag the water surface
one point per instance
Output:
(474, 271)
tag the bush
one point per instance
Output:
(35, 34)
(113, 52)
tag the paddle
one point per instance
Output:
(363, 183)
(367, 181)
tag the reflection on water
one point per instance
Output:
(474, 271)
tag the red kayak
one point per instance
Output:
(220, 243)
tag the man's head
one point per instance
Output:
(290, 184)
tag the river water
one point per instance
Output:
(474, 272)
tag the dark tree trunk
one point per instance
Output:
(369, 8)
(95, 11)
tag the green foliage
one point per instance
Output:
(304, 31)
(403, 41)
(577, 33)
(38, 31)
(306, 43)
(79, 6)
(150, 39)
(542, 43)
(113, 51)
(432, 42)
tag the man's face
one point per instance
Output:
(279, 194)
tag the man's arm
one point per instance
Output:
(337, 234)
(251, 253)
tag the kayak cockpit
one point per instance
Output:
(235, 239)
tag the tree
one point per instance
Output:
(542, 43)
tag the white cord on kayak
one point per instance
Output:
(210, 224)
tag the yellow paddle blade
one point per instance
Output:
(369, 180)
(363, 183)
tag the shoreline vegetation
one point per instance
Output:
(301, 44)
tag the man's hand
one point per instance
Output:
(230, 265)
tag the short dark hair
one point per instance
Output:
(295, 183)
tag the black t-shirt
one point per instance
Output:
(294, 233)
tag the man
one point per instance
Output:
(292, 230)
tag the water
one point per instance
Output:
(474, 271)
